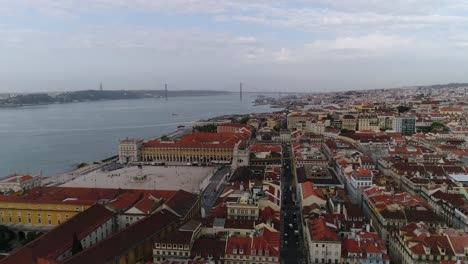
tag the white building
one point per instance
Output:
(323, 244)
(129, 150)
(17, 183)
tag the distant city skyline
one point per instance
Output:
(300, 46)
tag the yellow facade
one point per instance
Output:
(186, 154)
(33, 215)
(272, 123)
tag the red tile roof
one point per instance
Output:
(361, 172)
(451, 109)
(201, 140)
(255, 148)
(21, 178)
(205, 247)
(63, 195)
(320, 231)
(308, 190)
(247, 244)
(124, 240)
(182, 202)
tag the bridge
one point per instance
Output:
(241, 89)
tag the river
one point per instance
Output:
(55, 138)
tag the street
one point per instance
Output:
(291, 233)
(212, 192)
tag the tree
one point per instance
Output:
(30, 237)
(403, 109)
(438, 127)
(76, 245)
(210, 128)
(6, 236)
(244, 119)
(344, 130)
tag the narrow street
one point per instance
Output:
(291, 233)
(212, 192)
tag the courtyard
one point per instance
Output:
(188, 178)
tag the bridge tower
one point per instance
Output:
(240, 91)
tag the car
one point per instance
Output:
(296, 232)
(285, 234)
(291, 226)
(286, 242)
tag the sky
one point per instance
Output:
(303, 46)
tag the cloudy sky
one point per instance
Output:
(308, 45)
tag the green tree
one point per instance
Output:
(76, 245)
(403, 109)
(244, 119)
(6, 235)
(210, 128)
(30, 237)
(437, 126)
(344, 130)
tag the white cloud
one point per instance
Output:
(462, 44)
(368, 44)
(284, 55)
(244, 40)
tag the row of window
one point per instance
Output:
(29, 220)
(172, 253)
(242, 211)
(255, 258)
(171, 246)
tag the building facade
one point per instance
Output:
(404, 125)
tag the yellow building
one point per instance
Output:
(272, 123)
(196, 148)
(42, 208)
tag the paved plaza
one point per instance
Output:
(187, 178)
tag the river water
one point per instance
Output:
(55, 138)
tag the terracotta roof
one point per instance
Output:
(451, 109)
(320, 231)
(309, 190)
(205, 247)
(201, 140)
(21, 178)
(247, 244)
(363, 248)
(182, 202)
(125, 239)
(63, 195)
(361, 172)
(265, 148)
